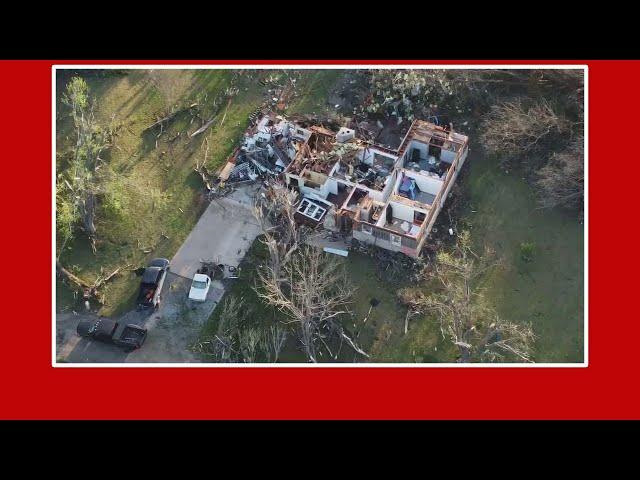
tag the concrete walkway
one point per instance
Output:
(223, 234)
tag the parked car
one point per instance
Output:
(127, 336)
(199, 287)
(152, 282)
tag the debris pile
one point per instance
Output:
(391, 267)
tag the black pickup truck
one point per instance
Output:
(127, 336)
(152, 281)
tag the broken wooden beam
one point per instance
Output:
(202, 128)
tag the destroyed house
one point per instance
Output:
(429, 161)
(387, 197)
(390, 198)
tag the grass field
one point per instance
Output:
(549, 290)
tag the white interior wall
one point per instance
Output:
(401, 211)
(447, 156)
(426, 184)
(330, 186)
(388, 188)
(370, 152)
(375, 195)
(312, 192)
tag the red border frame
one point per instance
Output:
(32, 388)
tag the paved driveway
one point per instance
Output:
(223, 234)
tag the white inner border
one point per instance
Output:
(151, 66)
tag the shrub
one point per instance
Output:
(526, 251)
(561, 182)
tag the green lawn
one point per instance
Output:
(383, 334)
(313, 89)
(549, 290)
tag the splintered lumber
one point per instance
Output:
(202, 128)
(225, 111)
(341, 252)
(226, 171)
(109, 277)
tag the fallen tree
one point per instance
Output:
(408, 94)
(88, 290)
(456, 300)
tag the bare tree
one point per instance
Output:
(464, 316)
(275, 210)
(313, 291)
(305, 284)
(512, 129)
(249, 341)
(273, 341)
(561, 182)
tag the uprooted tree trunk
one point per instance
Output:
(164, 120)
(88, 209)
(208, 178)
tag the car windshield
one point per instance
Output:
(199, 285)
